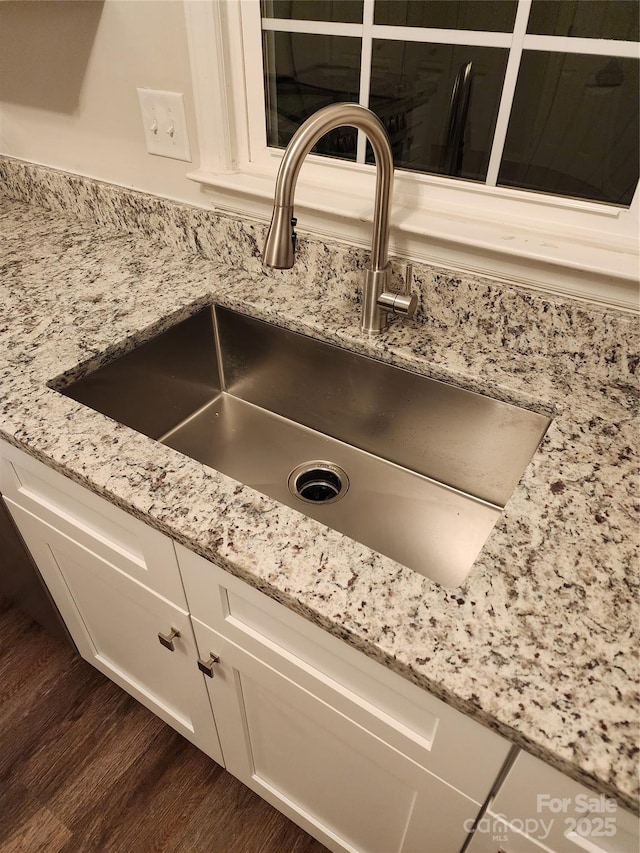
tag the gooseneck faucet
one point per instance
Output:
(378, 301)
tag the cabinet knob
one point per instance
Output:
(206, 666)
(167, 639)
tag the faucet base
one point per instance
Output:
(374, 318)
(379, 303)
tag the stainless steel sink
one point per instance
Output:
(414, 468)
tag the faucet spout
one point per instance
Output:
(279, 248)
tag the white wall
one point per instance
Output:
(68, 77)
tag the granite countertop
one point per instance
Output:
(540, 643)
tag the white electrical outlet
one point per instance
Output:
(165, 123)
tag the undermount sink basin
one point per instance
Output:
(413, 468)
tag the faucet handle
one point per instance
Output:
(402, 302)
(408, 302)
(408, 277)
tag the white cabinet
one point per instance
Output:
(114, 619)
(324, 769)
(353, 753)
(361, 758)
(539, 810)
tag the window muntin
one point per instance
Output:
(468, 153)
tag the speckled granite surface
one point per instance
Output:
(541, 642)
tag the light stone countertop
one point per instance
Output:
(540, 643)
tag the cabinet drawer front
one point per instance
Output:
(115, 621)
(283, 736)
(92, 521)
(539, 808)
(424, 728)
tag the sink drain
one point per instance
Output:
(318, 482)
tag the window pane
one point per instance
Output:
(411, 90)
(574, 127)
(304, 72)
(490, 15)
(604, 19)
(343, 11)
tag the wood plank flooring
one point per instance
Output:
(84, 767)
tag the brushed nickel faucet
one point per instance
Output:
(378, 300)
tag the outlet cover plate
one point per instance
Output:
(165, 123)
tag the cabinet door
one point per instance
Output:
(115, 621)
(283, 737)
(537, 809)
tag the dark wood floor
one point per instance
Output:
(84, 767)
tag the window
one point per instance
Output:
(435, 73)
(514, 126)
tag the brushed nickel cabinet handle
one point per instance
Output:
(167, 639)
(206, 666)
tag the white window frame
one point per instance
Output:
(562, 245)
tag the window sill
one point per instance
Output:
(582, 263)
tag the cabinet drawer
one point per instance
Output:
(92, 521)
(537, 808)
(425, 729)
